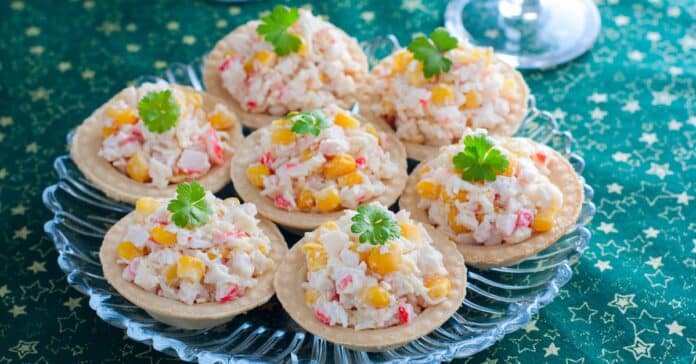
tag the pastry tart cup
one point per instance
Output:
(179, 314)
(214, 85)
(422, 152)
(561, 174)
(84, 151)
(291, 273)
(304, 221)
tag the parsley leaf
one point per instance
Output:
(189, 208)
(375, 225)
(480, 160)
(159, 111)
(430, 51)
(274, 29)
(312, 122)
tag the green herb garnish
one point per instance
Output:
(159, 111)
(480, 160)
(312, 122)
(375, 225)
(189, 208)
(274, 29)
(430, 51)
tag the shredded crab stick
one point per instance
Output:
(320, 162)
(308, 67)
(160, 134)
(482, 192)
(432, 102)
(372, 268)
(194, 248)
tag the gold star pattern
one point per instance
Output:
(623, 302)
(3, 173)
(31, 148)
(4, 291)
(18, 210)
(24, 348)
(40, 93)
(640, 349)
(23, 233)
(37, 267)
(72, 303)
(582, 313)
(675, 329)
(6, 121)
(18, 310)
(552, 349)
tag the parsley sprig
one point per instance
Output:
(375, 225)
(159, 111)
(480, 160)
(190, 208)
(430, 51)
(312, 122)
(274, 29)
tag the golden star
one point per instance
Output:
(72, 303)
(22, 233)
(4, 291)
(18, 210)
(37, 267)
(18, 310)
(24, 348)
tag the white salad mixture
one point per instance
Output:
(345, 164)
(520, 201)
(194, 141)
(322, 71)
(213, 262)
(367, 285)
(474, 93)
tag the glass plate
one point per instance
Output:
(498, 301)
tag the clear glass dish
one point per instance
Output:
(498, 301)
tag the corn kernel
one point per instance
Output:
(163, 236)
(328, 199)
(384, 263)
(311, 295)
(256, 172)
(370, 129)
(316, 256)
(305, 200)
(324, 77)
(542, 222)
(329, 225)
(107, 131)
(346, 121)
(510, 169)
(170, 274)
(410, 231)
(306, 155)
(195, 99)
(211, 255)
(282, 136)
(222, 120)
(127, 250)
(138, 168)
(376, 296)
(438, 287)
(364, 255)
(263, 249)
(339, 165)
(472, 100)
(146, 205)
(428, 189)
(415, 77)
(441, 94)
(452, 220)
(303, 48)
(121, 116)
(263, 57)
(350, 179)
(190, 268)
(401, 61)
(509, 86)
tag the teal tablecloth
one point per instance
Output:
(629, 103)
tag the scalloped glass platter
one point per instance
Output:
(498, 301)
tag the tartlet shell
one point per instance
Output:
(179, 314)
(422, 152)
(292, 272)
(561, 174)
(309, 220)
(84, 151)
(213, 81)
